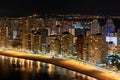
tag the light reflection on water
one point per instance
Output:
(21, 69)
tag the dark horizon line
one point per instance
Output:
(18, 14)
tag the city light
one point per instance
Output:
(78, 37)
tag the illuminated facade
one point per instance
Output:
(34, 24)
(80, 29)
(80, 46)
(118, 41)
(50, 24)
(72, 31)
(36, 42)
(58, 29)
(66, 43)
(29, 41)
(15, 28)
(109, 27)
(48, 29)
(3, 36)
(80, 32)
(43, 33)
(4, 32)
(25, 26)
(32, 42)
(95, 27)
(112, 43)
(97, 47)
(31, 32)
(54, 43)
(111, 48)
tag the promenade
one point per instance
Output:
(93, 71)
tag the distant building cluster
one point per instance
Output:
(90, 41)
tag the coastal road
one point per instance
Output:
(93, 71)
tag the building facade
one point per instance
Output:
(66, 40)
(109, 27)
(95, 27)
(80, 46)
(97, 47)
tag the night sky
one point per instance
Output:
(29, 7)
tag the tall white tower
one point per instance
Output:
(95, 27)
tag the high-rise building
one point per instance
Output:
(48, 29)
(109, 27)
(54, 44)
(36, 42)
(118, 41)
(95, 27)
(72, 31)
(97, 47)
(4, 32)
(80, 46)
(43, 33)
(25, 26)
(66, 43)
(3, 36)
(79, 31)
(29, 41)
(111, 48)
(15, 28)
(32, 42)
(35, 23)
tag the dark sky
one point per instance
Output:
(29, 7)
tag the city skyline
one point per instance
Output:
(79, 35)
(55, 37)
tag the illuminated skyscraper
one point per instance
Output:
(72, 31)
(80, 46)
(118, 41)
(15, 28)
(80, 29)
(36, 42)
(35, 23)
(54, 44)
(111, 48)
(80, 32)
(97, 47)
(32, 42)
(25, 26)
(109, 27)
(66, 43)
(3, 36)
(29, 41)
(95, 27)
(4, 32)
(43, 33)
(48, 29)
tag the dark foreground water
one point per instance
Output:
(21, 69)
